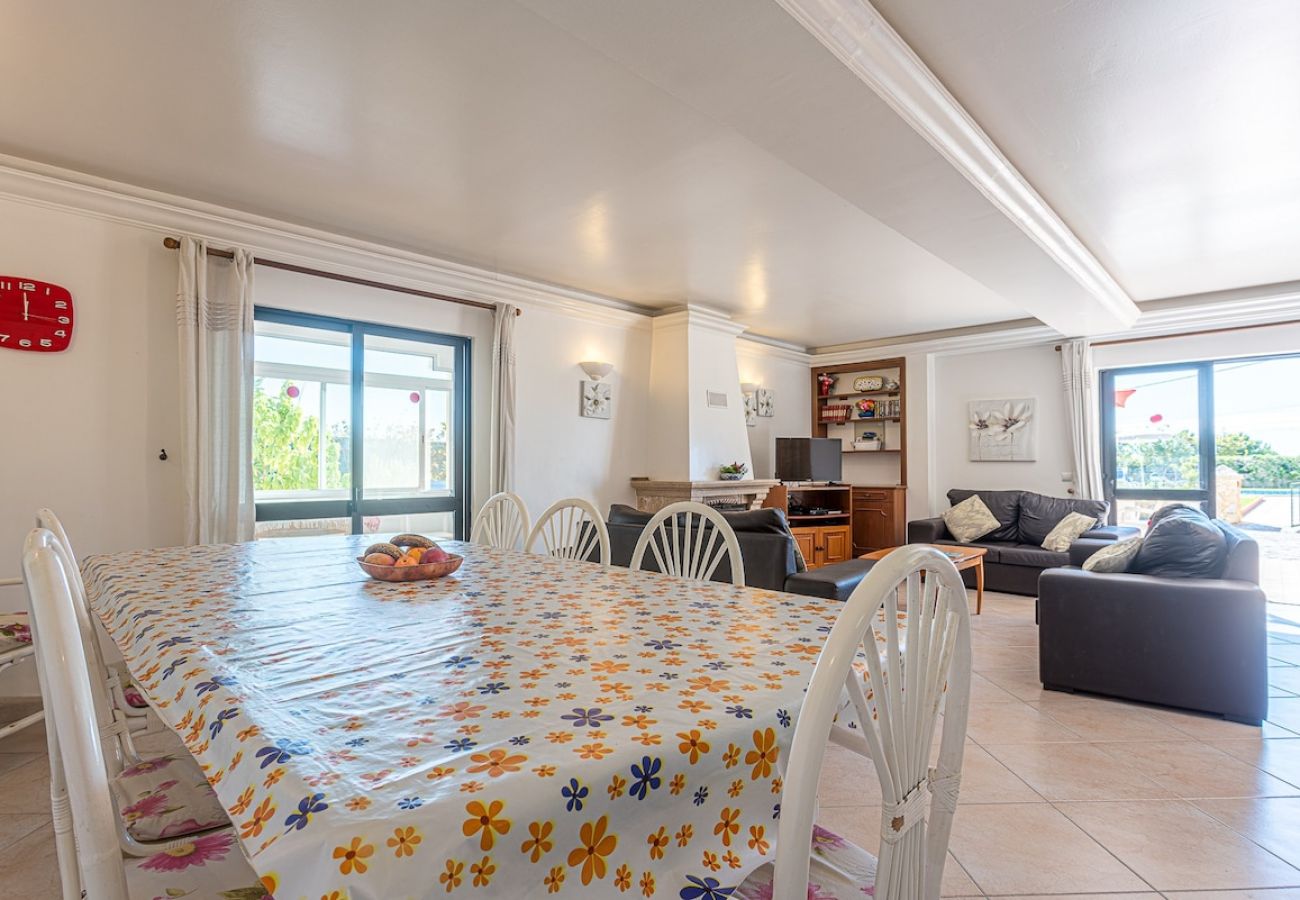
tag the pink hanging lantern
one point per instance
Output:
(292, 391)
(1157, 419)
(415, 396)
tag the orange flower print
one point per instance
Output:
(710, 861)
(647, 739)
(496, 762)
(678, 784)
(732, 756)
(684, 835)
(544, 771)
(356, 804)
(764, 754)
(657, 841)
(484, 818)
(554, 879)
(728, 824)
(403, 842)
(647, 885)
(731, 859)
(241, 805)
(693, 745)
(272, 778)
(459, 712)
(439, 772)
(354, 856)
(596, 845)
(451, 877)
(539, 840)
(616, 786)
(623, 877)
(333, 895)
(253, 827)
(482, 871)
(594, 751)
(757, 842)
(736, 787)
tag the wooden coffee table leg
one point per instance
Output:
(979, 585)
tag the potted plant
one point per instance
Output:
(732, 471)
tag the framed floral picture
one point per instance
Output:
(1003, 430)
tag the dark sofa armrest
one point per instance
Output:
(833, 582)
(927, 531)
(1084, 547)
(1111, 533)
(1130, 587)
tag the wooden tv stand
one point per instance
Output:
(826, 538)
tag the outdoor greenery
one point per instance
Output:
(285, 445)
(1171, 462)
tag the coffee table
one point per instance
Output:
(962, 557)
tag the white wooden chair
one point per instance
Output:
(570, 529)
(126, 698)
(502, 522)
(94, 860)
(896, 716)
(690, 540)
(143, 830)
(15, 649)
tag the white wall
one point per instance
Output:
(1002, 374)
(789, 381)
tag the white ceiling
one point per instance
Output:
(682, 151)
(1166, 134)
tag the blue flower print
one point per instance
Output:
(587, 718)
(740, 712)
(521, 740)
(460, 662)
(645, 709)
(493, 687)
(175, 642)
(307, 807)
(701, 795)
(217, 681)
(460, 745)
(222, 718)
(574, 793)
(662, 644)
(410, 803)
(283, 751)
(783, 717)
(706, 888)
(646, 777)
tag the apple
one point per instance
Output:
(434, 554)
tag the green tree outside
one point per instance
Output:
(1172, 462)
(286, 445)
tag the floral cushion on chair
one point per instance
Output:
(167, 797)
(132, 695)
(210, 867)
(840, 870)
(15, 633)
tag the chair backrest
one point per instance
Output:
(690, 540)
(570, 529)
(502, 522)
(118, 753)
(925, 663)
(66, 688)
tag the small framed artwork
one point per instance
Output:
(765, 402)
(596, 400)
(1003, 430)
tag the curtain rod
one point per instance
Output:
(1161, 337)
(172, 243)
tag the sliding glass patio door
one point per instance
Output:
(358, 428)
(1157, 439)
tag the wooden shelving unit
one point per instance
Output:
(878, 504)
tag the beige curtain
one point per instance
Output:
(214, 319)
(1079, 380)
(501, 475)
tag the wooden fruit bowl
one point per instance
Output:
(412, 573)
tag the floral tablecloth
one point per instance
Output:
(525, 728)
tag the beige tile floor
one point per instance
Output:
(1063, 796)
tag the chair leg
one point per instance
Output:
(64, 843)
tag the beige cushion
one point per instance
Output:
(838, 870)
(208, 867)
(166, 797)
(970, 519)
(1115, 558)
(1067, 530)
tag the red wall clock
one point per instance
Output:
(34, 315)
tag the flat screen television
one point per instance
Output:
(809, 459)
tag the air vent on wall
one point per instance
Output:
(717, 399)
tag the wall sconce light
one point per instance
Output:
(748, 390)
(748, 387)
(596, 398)
(596, 370)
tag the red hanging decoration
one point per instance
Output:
(292, 391)
(1157, 418)
(1121, 397)
(415, 396)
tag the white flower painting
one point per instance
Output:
(1003, 430)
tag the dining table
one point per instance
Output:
(525, 727)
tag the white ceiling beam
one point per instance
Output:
(856, 33)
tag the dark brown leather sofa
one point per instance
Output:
(1014, 555)
(1199, 643)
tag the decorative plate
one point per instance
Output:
(868, 383)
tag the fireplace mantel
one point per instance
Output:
(652, 495)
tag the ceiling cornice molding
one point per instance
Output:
(37, 184)
(856, 33)
(696, 316)
(754, 346)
